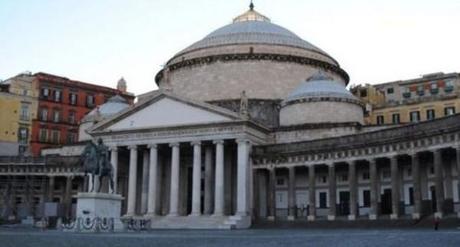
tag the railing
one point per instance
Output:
(21, 160)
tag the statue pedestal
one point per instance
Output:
(97, 212)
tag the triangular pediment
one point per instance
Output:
(165, 110)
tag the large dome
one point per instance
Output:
(252, 32)
(251, 54)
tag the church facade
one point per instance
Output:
(254, 123)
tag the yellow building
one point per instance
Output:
(18, 106)
(429, 97)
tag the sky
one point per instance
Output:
(101, 41)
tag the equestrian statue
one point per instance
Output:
(96, 163)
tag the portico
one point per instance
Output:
(189, 168)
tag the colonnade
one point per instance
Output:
(213, 176)
(374, 168)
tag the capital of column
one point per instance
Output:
(113, 148)
(243, 140)
(218, 142)
(331, 164)
(174, 144)
(132, 147)
(196, 143)
(152, 146)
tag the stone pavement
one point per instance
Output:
(253, 238)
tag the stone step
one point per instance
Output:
(190, 222)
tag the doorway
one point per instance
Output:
(344, 203)
(385, 199)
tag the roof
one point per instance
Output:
(320, 85)
(114, 105)
(252, 28)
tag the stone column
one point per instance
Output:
(145, 182)
(51, 188)
(395, 198)
(311, 193)
(68, 196)
(332, 193)
(458, 174)
(174, 194)
(291, 194)
(219, 179)
(439, 187)
(153, 177)
(271, 197)
(242, 207)
(353, 190)
(196, 187)
(373, 175)
(416, 186)
(208, 181)
(131, 210)
(114, 162)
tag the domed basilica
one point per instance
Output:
(252, 123)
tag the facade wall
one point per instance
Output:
(9, 113)
(320, 112)
(226, 80)
(51, 131)
(18, 106)
(404, 111)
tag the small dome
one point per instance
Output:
(112, 106)
(320, 85)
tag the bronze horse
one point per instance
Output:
(95, 159)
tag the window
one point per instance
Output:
(43, 135)
(449, 111)
(71, 117)
(73, 98)
(45, 92)
(23, 135)
(366, 198)
(380, 120)
(57, 96)
(406, 93)
(390, 90)
(24, 113)
(57, 116)
(430, 114)
(280, 181)
(90, 101)
(25, 92)
(55, 136)
(44, 114)
(323, 200)
(363, 93)
(449, 86)
(396, 118)
(344, 177)
(420, 90)
(323, 179)
(415, 116)
(366, 176)
(71, 137)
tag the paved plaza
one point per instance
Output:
(253, 238)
